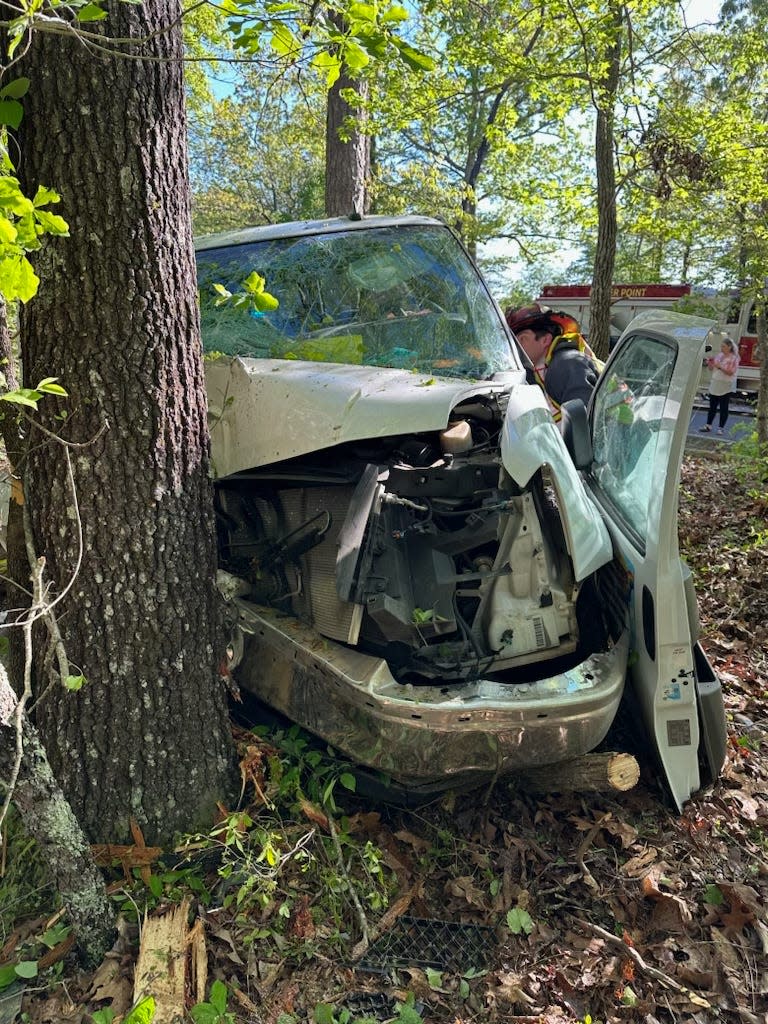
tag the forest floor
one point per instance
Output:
(487, 906)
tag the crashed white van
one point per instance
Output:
(422, 569)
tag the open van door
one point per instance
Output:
(639, 418)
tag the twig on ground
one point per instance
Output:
(647, 969)
(585, 844)
(362, 919)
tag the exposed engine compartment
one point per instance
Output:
(418, 548)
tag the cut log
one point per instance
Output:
(600, 773)
(161, 968)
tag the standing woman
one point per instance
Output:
(724, 367)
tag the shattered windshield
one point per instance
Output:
(400, 296)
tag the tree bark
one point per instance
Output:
(15, 588)
(761, 412)
(116, 321)
(601, 773)
(49, 820)
(347, 151)
(605, 253)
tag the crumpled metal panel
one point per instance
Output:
(267, 410)
(420, 734)
(531, 440)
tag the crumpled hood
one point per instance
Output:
(266, 410)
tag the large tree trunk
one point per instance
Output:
(116, 320)
(605, 169)
(347, 151)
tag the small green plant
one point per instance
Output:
(214, 1011)
(324, 1013)
(713, 896)
(519, 921)
(142, 1013)
(750, 461)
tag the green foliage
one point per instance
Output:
(31, 396)
(142, 1013)
(713, 896)
(750, 461)
(252, 295)
(276, 851)
(214, 1011)
(24, 969)
(325, 1013)
(519, 921)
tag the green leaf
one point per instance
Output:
(219, 995)
(323, 1014)
(22, 396)
(363, 12)
(204, 1013)
(53, 936)
(713, 895)
(519, 920)
(348, 781)
(142, 1013)
(49, 386)
(12, 198)
(355, 56)
(254, 283)
(91, 12)
(463, 988)
(394, 14)
(628, 997)
(406, 1014)
(434, 978)
(284, 41)
(328, 63)
(16, 89)
(44, 196)
(103, 1016)
(26, 969)
(27, 280)
(8, 232)
(415, 59)
(52, 223)
(7, 976)
(11, 113)
(265, 303)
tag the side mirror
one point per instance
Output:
(574, 428)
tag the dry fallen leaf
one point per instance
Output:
(637, 866)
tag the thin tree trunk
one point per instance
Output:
(605, 253)
(16, 589)
(761, 413)
(347, 151)
(116, 321)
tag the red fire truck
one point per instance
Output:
(627, 300)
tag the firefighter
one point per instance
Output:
(563, 363)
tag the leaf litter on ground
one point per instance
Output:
(604, 908)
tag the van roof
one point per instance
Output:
(295, 229)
